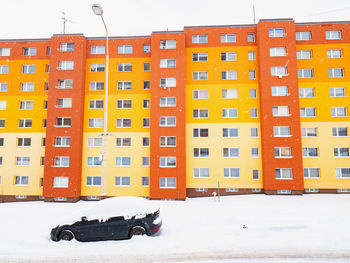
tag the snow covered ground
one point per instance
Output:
(288, 229)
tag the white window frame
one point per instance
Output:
(278, 71)
(64, 103)
(22, 161)
(308, 112)
(306, 92)
(231, 172)
(95, 123)
(122, 181)
(283, 152)
(279, 91)
(201, 152)
(303, 35)
(61, 161)
(121, 123)
(93, 181)
(168, 44)
(167, 161)
(167, 63)
(201, 173)
(308, 132)
(3, 86)
(199, 57)
(229, 75)
(339, 152)
(167, 121)
(199, 132)
(125, 49)
(251, 55)
(67, 47)
(21, 180)
(24, 142)
(230, 152)
(124, 85)
(165, 141)
(27, 86)
(230, 113)
(29, 51)
(200, 114)
(334, 92)
(335, 130)
(339, 111)
(201, 94)
(278, 52)
(3, 104)
(336, 72)
(65, 84)
(199, 39)
(334, 53)
(123, 161)
(167, 182)
(5, 52)
(310, 152)
(124, 67)
(228, 38)
(280, 111)
(339, 173)
(25, 123)
(200, 75)
(94, 161)
(96, 104)
(167, 101)
(230, 132)
(277, 32)
(229, 94)
(333, 34)
(62, 141)
(168, 82)
(60, 182)
(95, 142)
(95, 50)
(124, 104)
(66, 65)
(97, 67)
(228, 56)
(284, 173)
(63, 119)
(278, 129)
(304, 54)
(4, 69)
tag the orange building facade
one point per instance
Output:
(210, 110)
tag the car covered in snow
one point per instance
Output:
(112, 219)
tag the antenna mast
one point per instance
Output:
(254, 13)
(64, 19)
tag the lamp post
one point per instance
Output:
(97, 9)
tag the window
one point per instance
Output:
(145, 122)
(335, 72)
(22, 161)
(252, 74)
(1, 142)
(66, 84)
(43, 141)
(97, 50)
(255, 152)
(94, 142)
(200, 75)
(168, 63)
(255, 174)
(146, 103)
(198, 39)
(61, 161)
(147, 84)
(23, 142)
(25, 123)
(123, 141)
(145, 180)
(283, 152)
(231, 172)
(229, 74)
(337, 92)
(310, 152)
(63, 122)
(66, 65)
(200, 132)
(251, 55)
(97, 67)
(167, 182)
(334, 53)
(3, 86)
(123, 104)
(27, 86)
(279, 91)
(4, 69)
(277, 51)
(62, 141)
(311, 173)
(145, 141)
(145, 161)
(201, 152)
(342, 172)
(281, 131)
(339, 111)
(122, 181)
(124, 85)
(60, 182)
(229, 132)
(306, 92)
(253, 112)
(309, 132)
(276, 32)
(64, 103)
(196, 57)
(122, 161)
(97, 85)
(252, 93)
(44, 123)
(230, 113)
(21, 180)
(96, 104)
(341, 152)
(335, 34)
(303, 35)
(28, 68)
(167, 121)
(304, 54)
(166, 82)
(29, 51)
(3, 104)
(280, 111)
(168, 161)
(2, 123)
(278, 71)
(167, 141)
(95, 123)
(123, 123)
(228, 38)
(340, 131)
(0, 165)
(48, 51)
(283, 173)
(201, 172)
(125, 49)
(230, 152)
(167, 101)
(167, 44)
(200, 113)
(308, 112)
(228, 56)
(147, 48)
(146, 66)
(93, 180)
(251, 37)
(200, 94)
(64, 47)
(94, 161)
(5, 52)
(124, 67)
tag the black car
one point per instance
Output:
(113, 228)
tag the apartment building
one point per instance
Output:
(236, 109)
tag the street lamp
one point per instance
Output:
(97, 9)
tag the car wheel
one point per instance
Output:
(137, 230)
(66, 235)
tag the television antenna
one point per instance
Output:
(65, 20)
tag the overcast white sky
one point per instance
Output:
(42, 18)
